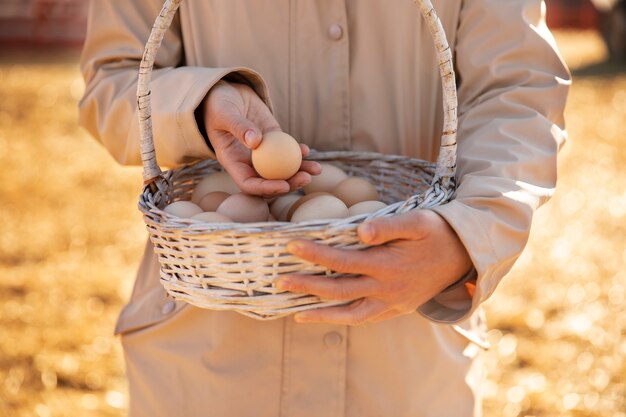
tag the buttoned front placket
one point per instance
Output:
(315, 355)
(319, 71)
(314, 370)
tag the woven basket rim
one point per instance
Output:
(147, 203)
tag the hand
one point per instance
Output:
(419, 256)
(235, 119)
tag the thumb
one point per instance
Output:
(409, 226)
(243, 130)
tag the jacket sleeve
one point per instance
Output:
(513, 86)
(116, 35)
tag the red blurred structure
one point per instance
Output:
(43, 22)
(579, 14)
(63, 22)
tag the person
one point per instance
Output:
(613, 27)
(337, 75)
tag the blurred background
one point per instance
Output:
(71, 236)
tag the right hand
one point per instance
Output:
(236, 118)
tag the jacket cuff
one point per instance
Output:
(448, 307)
(178, 137)
(452, 304)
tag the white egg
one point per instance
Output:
(212, 217)
(184, 209)
(354, 190)
(280, 203)
(218, 181)
(212, 200)
(327, 180)
(366, 207)
(245, 208)
(293, 207)
(278, 157)
(323, 207)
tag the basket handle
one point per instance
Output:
(446, 162)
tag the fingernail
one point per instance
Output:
(249, 138)
(303, 183)
(367, 232)
(282, 284)
(294, 246)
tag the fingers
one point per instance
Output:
(243, 130)
(256, 110)
(249, 183)
(235, 159)
(265, 188)
(329, 288)
(236, 116)
(340, 260)
(305, 150)
(412, 225)
(312, 167)
(299, 180)
(354, 314)
(228, 109)
(303, 177)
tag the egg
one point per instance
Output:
(354, 190)
(244, 208)
(184, 209)
(328, 179)
(366, 207)
(212, 217)
(271, 218)
(322, 207)
(280, 203)
(212, 200)
(218, 181)
(292, 209)
(278, 157)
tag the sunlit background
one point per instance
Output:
(71, 236)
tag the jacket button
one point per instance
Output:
(335, 32)
(333, 339)
(168, 308)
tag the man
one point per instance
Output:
(336, 74)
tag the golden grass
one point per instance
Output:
(72, 237)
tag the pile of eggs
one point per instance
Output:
(330, 195)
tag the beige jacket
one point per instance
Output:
(340, 74)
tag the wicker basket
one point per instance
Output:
(233, 266)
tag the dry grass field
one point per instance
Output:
(71, 238)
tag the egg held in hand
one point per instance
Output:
(278, 157)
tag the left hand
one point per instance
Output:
(419, 256)
(236, 118)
